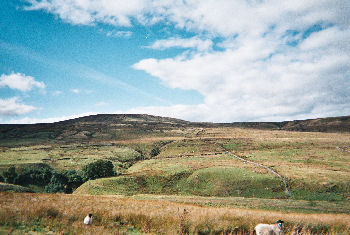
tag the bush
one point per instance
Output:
(10, 175)
(74, 180)
(98, 169)
(2, 179)
(64, 182)
(39, 174)
(58, 183)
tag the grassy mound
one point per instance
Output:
(214, 181)
(14, 188)
(223, 181)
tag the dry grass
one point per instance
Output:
(118, 215)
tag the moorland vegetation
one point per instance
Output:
(172, 165)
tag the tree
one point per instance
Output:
(58, 183)
(10, 175)
(39, 174)
(98, 169)
(74, 180)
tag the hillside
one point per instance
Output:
(165, 160)
(129, 126)
(171, 156)
(96, 127)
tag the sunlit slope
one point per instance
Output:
(315, 164)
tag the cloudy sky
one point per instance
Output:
(198, 60)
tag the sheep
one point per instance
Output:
(88, 219)
(269, 229)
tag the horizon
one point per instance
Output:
(199, 61)
(143, 114)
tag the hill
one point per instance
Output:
(129, 126)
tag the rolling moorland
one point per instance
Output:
(179, 177)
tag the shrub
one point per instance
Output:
(2, 179)
(98, 169)
(64, 182)
(39, 174)
(58, 183)
(10, 175)
(74, 180)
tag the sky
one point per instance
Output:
(198, 60)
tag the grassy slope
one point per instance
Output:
(14, 188)
(315, 166)
(313, 163)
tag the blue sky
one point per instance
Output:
(219, 61)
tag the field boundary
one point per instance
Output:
(284, 180)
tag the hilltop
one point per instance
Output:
(128, 126)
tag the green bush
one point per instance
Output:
(10, 175)
(74, 180)
(38, 174)
(64, 182)
(2, 179)
(98, 169)
(58, 183)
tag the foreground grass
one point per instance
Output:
(282, 205)
(119, 215)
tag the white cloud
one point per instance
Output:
(80, 91)
(335, 37)
(76, 91)
(261, 79)
(271, 65)
(115, 12)
(194, 42)
(218, 16)
(12, 107)
(102, 103)
(119, 34)
(20, 82)
(28, 120)
(56, 93)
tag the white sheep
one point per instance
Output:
(88, 219)
(269, 229)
